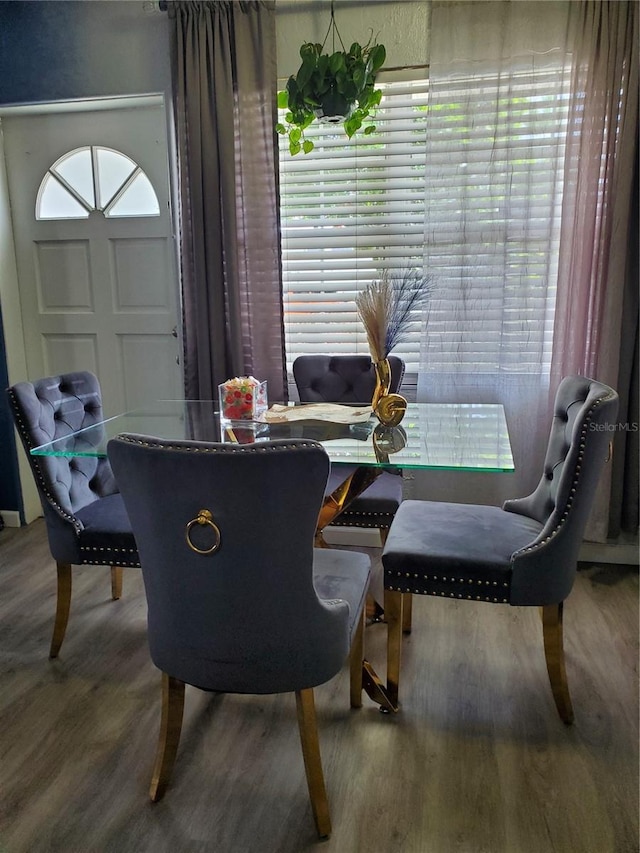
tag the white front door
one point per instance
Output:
(89, 194)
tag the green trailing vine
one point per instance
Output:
(337, 86)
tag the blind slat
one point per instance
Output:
(392, 200)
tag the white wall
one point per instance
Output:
(402, 26)
(12, 324)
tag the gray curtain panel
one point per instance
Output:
(624, 513)
(594, 335)
(225, 81)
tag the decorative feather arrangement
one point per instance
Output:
(388, 307)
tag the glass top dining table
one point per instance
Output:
(449, 436)
(435, 436)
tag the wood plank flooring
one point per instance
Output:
(476, 761)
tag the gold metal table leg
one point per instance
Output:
(347, 491)
(393, 609)
(375, 689)
(334, 504)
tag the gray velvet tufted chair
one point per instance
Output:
(239, 601)
(351, 379)
(524, 553)
(84, 513)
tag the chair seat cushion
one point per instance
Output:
(375, 507)
(455, 550)
(107, 538)
(339, 574)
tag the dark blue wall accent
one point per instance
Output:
(68, 49)
(10, 494)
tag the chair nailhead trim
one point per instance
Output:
(78, 527)
(123, 563)
(35, 467)
(374, 520)
(226, 448)
(381, 519)
(442, 579)
(125, 557)
(583, 442)
(442, 593)
(369, 513)
(109, 550)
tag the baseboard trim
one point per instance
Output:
(617, 553)
(10, 517)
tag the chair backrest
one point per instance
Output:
(51, 408)
(583, 420)
(341, 378)
(245, 618)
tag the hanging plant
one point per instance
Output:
(331, 87)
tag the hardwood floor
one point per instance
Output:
(476, 761)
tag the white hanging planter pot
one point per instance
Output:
(334, 108)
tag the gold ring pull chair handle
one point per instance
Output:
(203, 517)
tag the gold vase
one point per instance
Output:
(388, 440)
(388, 408)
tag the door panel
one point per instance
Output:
(145, 361)
(63, 276)
(59, 351)
(152, 292)
(97, 293)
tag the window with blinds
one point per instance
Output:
(444, 201)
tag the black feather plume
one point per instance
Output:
(389, 306)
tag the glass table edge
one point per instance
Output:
(403, 465)
(45, 450)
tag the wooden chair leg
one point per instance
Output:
(356, 659)
(63, 605)
(393, 602)
(170, 728)
(407, 611)
(554, 655)
(312, 761)
(116, 582)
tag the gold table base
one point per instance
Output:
(333, 505)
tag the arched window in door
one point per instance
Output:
(95, 178)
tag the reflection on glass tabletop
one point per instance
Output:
(469, 436)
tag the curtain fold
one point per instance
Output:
(499, 77)
(225, 81)
(594, 335)
(624, 512)
(589, 298)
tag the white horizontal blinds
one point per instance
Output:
(350, 209)
(470, 192)
(494, 154)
